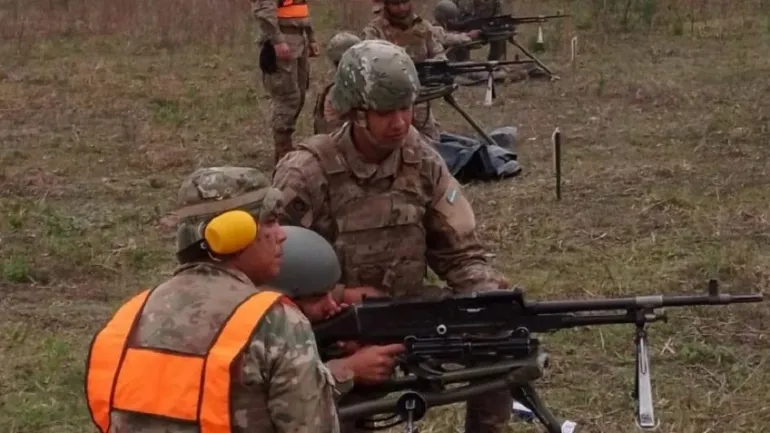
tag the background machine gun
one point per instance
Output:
(503, 27)
(489, 335)
(437, 80)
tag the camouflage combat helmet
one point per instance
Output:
(445, 12)
(310, 265)
(338, 44)
(208, 192)
(374, 75)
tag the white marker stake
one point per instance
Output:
(573, 57)
(556, 141)
(490, 90)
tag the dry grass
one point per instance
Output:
(105, 107)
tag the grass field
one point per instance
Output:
(104, 108)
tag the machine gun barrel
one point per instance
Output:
(383, 320)
(501, 22)
(713, 297)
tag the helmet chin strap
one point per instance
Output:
(361, 123)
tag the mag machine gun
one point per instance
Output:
(503, 27)
(490, 335)
(437, 80)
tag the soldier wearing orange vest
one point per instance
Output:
(287, 40)
(216, 349)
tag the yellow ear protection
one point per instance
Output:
(225, 234)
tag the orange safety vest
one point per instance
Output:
(293, 9)
(178, 386)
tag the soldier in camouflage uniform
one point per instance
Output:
(444, 13)
(186, 313)
(399, 24)
(325, 119)
(386, 200)
(469, 9)
(286, 31)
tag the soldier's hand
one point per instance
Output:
(474, 34)
(349, 347)
(355, 295)
(374, 364)
(334, 309)
(282, 51)
(313, 49)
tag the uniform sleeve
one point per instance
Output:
(435, 49)
(454, 251)
(371, 32)
(284, 358)
(310, 31)
(449, 39)
(298, 175)
(266, 13)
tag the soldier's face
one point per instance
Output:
(389, 129)
(261, 261)
(317, 308)
(399, 10)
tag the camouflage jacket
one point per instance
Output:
(281, 385)
(447, 38)
(387, 221)
(265, 12)
(417, 38)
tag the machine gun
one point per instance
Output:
(489, 334)
(503, 28)
(437, 80)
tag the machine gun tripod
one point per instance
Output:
(437, 80)
(503, 28)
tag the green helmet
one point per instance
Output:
(208, 192)
(338, 44)
(374, 75)
(446, 11)
(310, 265)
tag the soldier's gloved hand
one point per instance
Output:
(355, 295)
(282, 51)
(373, 364)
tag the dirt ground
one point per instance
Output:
(104, 108)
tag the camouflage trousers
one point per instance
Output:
(423, 121)
(483, 414)
(287, 88)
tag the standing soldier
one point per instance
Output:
(325, 119)
(286, 41)
(470, 9)
(400, 25)
(214, 349)
(386, 200)
(445, 15)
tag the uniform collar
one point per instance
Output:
(238, 275)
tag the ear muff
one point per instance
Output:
(230, 232)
